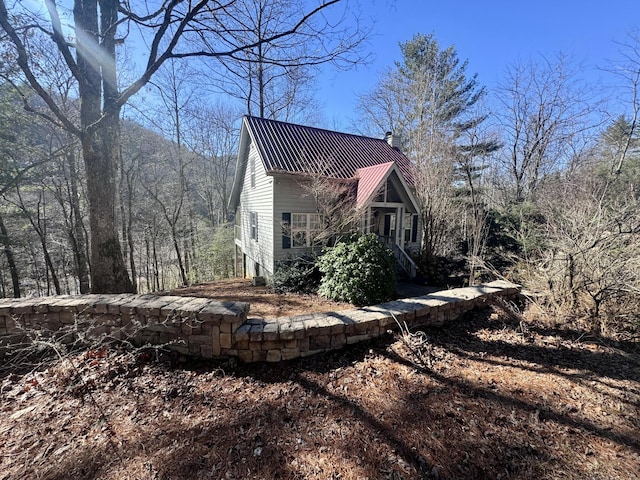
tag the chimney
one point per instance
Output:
(393, 140)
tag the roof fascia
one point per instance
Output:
(241, 167)
(406, 188)
(403, 184)
(381, 182)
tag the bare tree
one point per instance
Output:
(274, 79)
(628, 70)
(335, 203)
(470, 168)
(23, 145)
(545, 110)
(430, 102)
(213, 138)
(176, 95)
(588, 265)
(38, 218)
(176, 29)
(11, 262)
(68, 191)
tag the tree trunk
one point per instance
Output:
(108, 270)
(192, 243)
(126, 214)
(77, 235)
(8, 253)
(39, 224)
(176, 246)
(156, 267)
(50, 267)
(132, 261)
(100, 146)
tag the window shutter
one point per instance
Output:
(414, 229)
(257, 229)
(286, 230)
(252, 171)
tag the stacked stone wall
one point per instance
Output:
(189, 325)
(211, 329)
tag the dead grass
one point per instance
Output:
(503, 400)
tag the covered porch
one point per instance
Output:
(397, 229)
(391, 211)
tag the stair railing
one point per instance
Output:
(403, 258)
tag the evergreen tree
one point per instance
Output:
(430, 101)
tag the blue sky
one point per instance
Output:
(490, 34)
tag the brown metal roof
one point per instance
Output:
(290, 148)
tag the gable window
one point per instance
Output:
(388, 193)
(253, 225)
(305, 228)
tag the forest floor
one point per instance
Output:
(488, 396)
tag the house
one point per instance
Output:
(276, 216)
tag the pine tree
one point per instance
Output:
(432, 104)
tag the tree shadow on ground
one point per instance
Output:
(366, 411)
(560, 348)
(576, 364)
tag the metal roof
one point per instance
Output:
(369, 180)
(289, 148)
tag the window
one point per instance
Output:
(305, 228)
(390, 226)
(408, 224)
(253, 225)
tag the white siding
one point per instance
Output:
(260, 200)
(289, 197)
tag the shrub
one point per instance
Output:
(361, 271)
(215, 258)
(296, 275)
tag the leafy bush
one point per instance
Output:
(296, 275)
(361, 272)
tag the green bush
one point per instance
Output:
(296, 275)
(214, 259)
(361, 271)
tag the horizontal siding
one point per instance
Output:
(290, 197)
(258, 199)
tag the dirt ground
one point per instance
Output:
(264, 302)
(503, 399)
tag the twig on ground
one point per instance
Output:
(417, 343)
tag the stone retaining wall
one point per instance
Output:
(210, 329)
(189, 325)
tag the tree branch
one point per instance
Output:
(23, 63)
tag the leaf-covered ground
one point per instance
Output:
(503, 399)
(264, 302)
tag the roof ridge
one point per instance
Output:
(281, 122)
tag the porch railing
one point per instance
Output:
(403, 258)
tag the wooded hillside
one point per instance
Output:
(112, 184)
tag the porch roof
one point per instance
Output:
(369, 180)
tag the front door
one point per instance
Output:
(389, 230)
